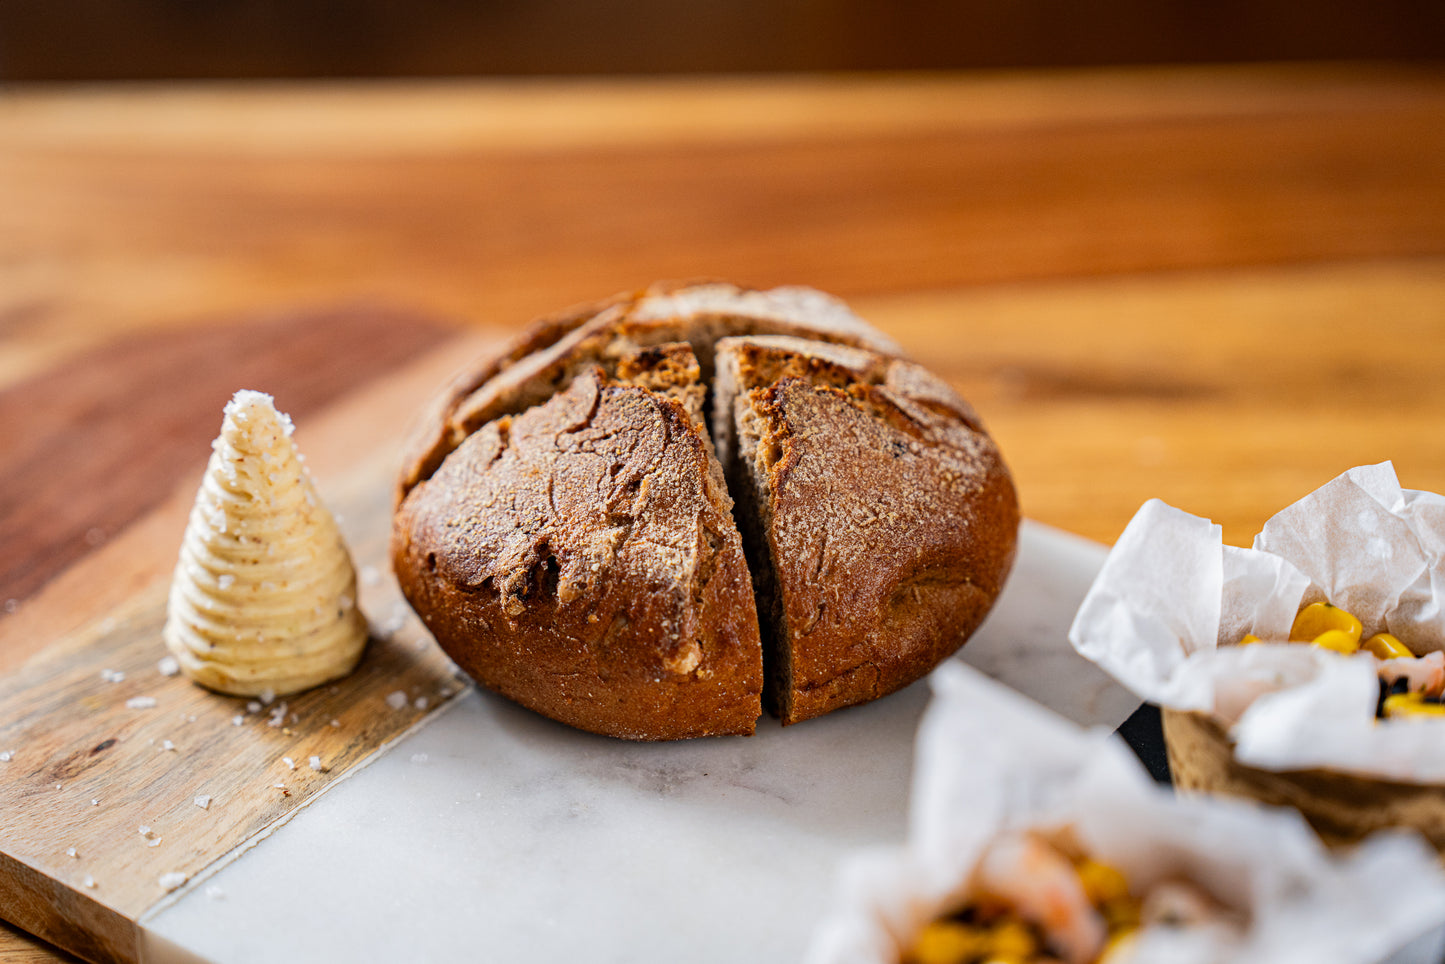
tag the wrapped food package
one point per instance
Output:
(1278, 721)
(995, 774)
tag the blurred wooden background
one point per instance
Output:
(154, 39)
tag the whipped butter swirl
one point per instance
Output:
(264, 596)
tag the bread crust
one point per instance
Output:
(565, 529)
(888, 516)
(581, 560)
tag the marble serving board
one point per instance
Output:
(493, 833)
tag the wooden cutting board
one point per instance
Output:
(99, 463)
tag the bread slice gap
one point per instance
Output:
(877, 518)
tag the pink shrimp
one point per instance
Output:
(1425, 673)
(1044, 888)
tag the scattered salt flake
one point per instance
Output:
(336, 723)
(112, 675)
(140, 702)
(203, 801)
(94, 802)
(146, 831)
(290, 763)
(154, 843)
(11, 605)
(87, 881)
(57, 786)
(237, 720)
(267, 697)
(316, 763)
(190, 718)
(396, 700)
(168, 745)
(418, 758)
(173, 880)
(215, 893)
(421, 703)
(253, 707)
(72, 852)
(370, 575)
(7, 755)
(168, 666)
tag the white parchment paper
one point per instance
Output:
(1172, 600)
(990, 761)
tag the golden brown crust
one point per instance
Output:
(566, 530)
(580, 559)
(545, 359)
(888, 515)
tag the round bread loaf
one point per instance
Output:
(653, 516)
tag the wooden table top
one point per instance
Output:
(1220, 287)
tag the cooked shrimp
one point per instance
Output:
(1044, 888)
(1426, 674)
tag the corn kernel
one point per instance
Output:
(1319, 618)
(948, 942)
(1249, 638)
(1411, 704)
(1120, 947)
(1102, 883)
(1012, 939)
(1337, 640)
(1386, 646)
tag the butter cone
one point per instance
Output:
(264, 596)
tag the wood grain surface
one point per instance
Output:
(1218, 287)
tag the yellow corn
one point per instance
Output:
(1248, 639)
(1012, 939)
(1319, 618)
(1337, 640)
(948, 942)
(1120, 946)
(1386, 646)
(1411, 704)
(1102, 883)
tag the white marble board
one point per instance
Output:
(494, 834)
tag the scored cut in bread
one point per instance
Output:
(879, 519)
(565, 528)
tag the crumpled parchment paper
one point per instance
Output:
(989, 762)
(1172, 600)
